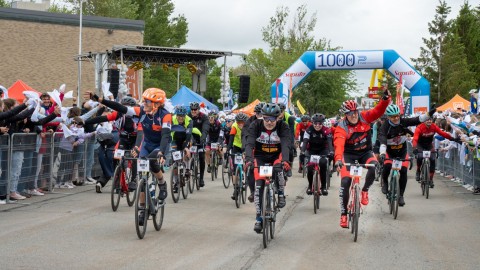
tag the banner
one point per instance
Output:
(300, 107)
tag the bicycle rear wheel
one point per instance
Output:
(141, 229)
(131, 195)
(316, 194)
(426, 177)
(395, 194)
(239, 195)
(116, 191)
(356, 214)
(265, 217)
(174, 181)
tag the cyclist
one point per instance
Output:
(265, 146)
(127, 127)
(317, 139)
(200, 121)
(393, 144)
(215, 135)
(156, 123)
(182, 129)
(229, 119)
(290, 121)
(299, 133)
(258, 115)
(423, 141)
(235, 144)
(352, 142)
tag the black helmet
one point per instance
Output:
(271, 109)
(318, 117)
(242, 117)
(129, 101)
(305, 117)
(282, 106)
(194, 106)
(258, 107)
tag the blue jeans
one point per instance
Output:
(17, 162)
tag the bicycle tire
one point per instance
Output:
(273, 217)
(191, 181)
(215, 166)
(265, 218)
(244, 188)
(426, 176)
(422, 179)
(131, 195)
(226, 180)
(141, 229)
(212, 173)
(183, 183)
(356, 218)
(315, 192)
(328, 176)
(159, 211)
(197, 173)
(390, 194)
(175, 196)
(116, 191)
(396, 195)
(239, 196)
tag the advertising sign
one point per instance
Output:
(349, 60)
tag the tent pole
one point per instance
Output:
(224, 82)
(178, 78)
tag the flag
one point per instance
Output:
(300, 107)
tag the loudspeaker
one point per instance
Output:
(244, 91)
(114, 79)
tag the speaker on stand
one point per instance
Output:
(114, 80)
(244, 91)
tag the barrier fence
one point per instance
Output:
(449, 164)
(50, 163)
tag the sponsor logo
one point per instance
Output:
(362, 59)
(405, 73)
(295, 74)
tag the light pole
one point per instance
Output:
(79, 86)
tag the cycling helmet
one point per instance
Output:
(241, 117)
(318, 117)
(271, 109)
(181, 111)
(194, 105)
(282, 106)
(305, 117)
(327, 123)
(212, 113)
(392, 109)
(348, 106)
(230, 117)
(129, 101)
(155, 95)
(258, 107)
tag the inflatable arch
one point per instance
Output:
(349, 60)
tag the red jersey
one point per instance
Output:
(424, 135)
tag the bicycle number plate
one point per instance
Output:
(193, 149)
(143, 165)
(119, 153)
(214, 146)
(177, 155)
(314, 159)
(426, 154)
(238, 159)
(265, 171)
(397, 164)
(356, 171)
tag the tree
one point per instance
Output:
(5, 3)
(125, 9)
(429, 61)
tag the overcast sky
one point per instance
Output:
(235, 25)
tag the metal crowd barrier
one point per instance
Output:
(30, 161)
(465, 175)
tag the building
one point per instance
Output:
(40, 5)
(40, 47)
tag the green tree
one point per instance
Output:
(126, 9)
(5, 3)
(429, 61)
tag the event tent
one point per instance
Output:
(16, 90)
(455, 103)
(184, 96)
(249, 108)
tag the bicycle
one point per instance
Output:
(182, 180)
(393, 193)
(226, 171)
(214, 160)
(195, 166)
(121, 178)
(242, 185)
(149, 192)
(316, 183)
(425, 174)
(354, 206)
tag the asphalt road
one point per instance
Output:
(207, 231)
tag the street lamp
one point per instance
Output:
(79, 86)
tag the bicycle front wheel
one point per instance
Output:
(316, 194)
(174, 183)
(244, 188)
(225, 178)
(141, 225)
(426, 177)
(395, 194)
(116, 191)
(238, 199)
(183, 182)
(131, 195)
(197, 173)
(356, 214)
(328, 176)
(191, 181)
(273, 216)
(265, 215)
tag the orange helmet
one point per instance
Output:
(156, 95)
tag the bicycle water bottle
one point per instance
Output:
(151, 188)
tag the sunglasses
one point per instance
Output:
(193, 110)
(318, 123)
(147, 101)
(270, 119)
(304, 121)
(350, 113)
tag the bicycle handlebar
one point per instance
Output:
(357, 164)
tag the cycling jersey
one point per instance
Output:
(423, 136)
(300, 130)
(318, 142)
(236, 133)
(214, 131)
(268, 144)
(201, 123)
(395, 136)
(182, 137)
